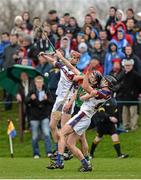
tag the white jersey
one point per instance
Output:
(65, 81)
(89, 106)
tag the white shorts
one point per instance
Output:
(80, 122)
(59, 105)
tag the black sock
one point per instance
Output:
(117, 148)
(93, 147)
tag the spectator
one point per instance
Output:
(51, 72)
(9, 59)
(18, 21)
(93, 37)
(103, 38)
(117, 72)
(120, 17)
(66, 17)
(98, 51)
(21, 96)
(39, 116)
(88, 20)
(26, 19)
(52, 17)
(5, 41)
(111, 22)
(43, 44)
(84, 58)
(60, 34)
(112, 52)
(130, 55)
(121, 40)
(31, 50)
(65, 45)
(95, 22)
(73, 43)
(138, 25)
(137, 44)
(10, 51)
(130, 15)
(131, 28)
(43, 66)
(36, 28)
(94, 65)
(73, 26)
(130, 89)
(87, 31)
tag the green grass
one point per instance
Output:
(107, 168)
(105, 164)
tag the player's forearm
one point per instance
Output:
(70, 66)
(86, 86)
(50, 60)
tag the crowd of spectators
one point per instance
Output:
(113, 49)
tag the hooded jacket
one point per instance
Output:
(109, 56)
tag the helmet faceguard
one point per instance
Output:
(95, 77)
(108, 81)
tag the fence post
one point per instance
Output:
(21, 121)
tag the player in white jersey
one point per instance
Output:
(78, 124)
(63, 107)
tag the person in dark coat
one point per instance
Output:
(128, 92)
(111, 22)
(31, 50)
(22, 94)
(137, 44)
(9, 59)
(105, 121)
(129, 55)
(51, 72)
(39, 105)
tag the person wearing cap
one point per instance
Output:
(84, 58)
(128, 92)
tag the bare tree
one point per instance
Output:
(77, 8)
